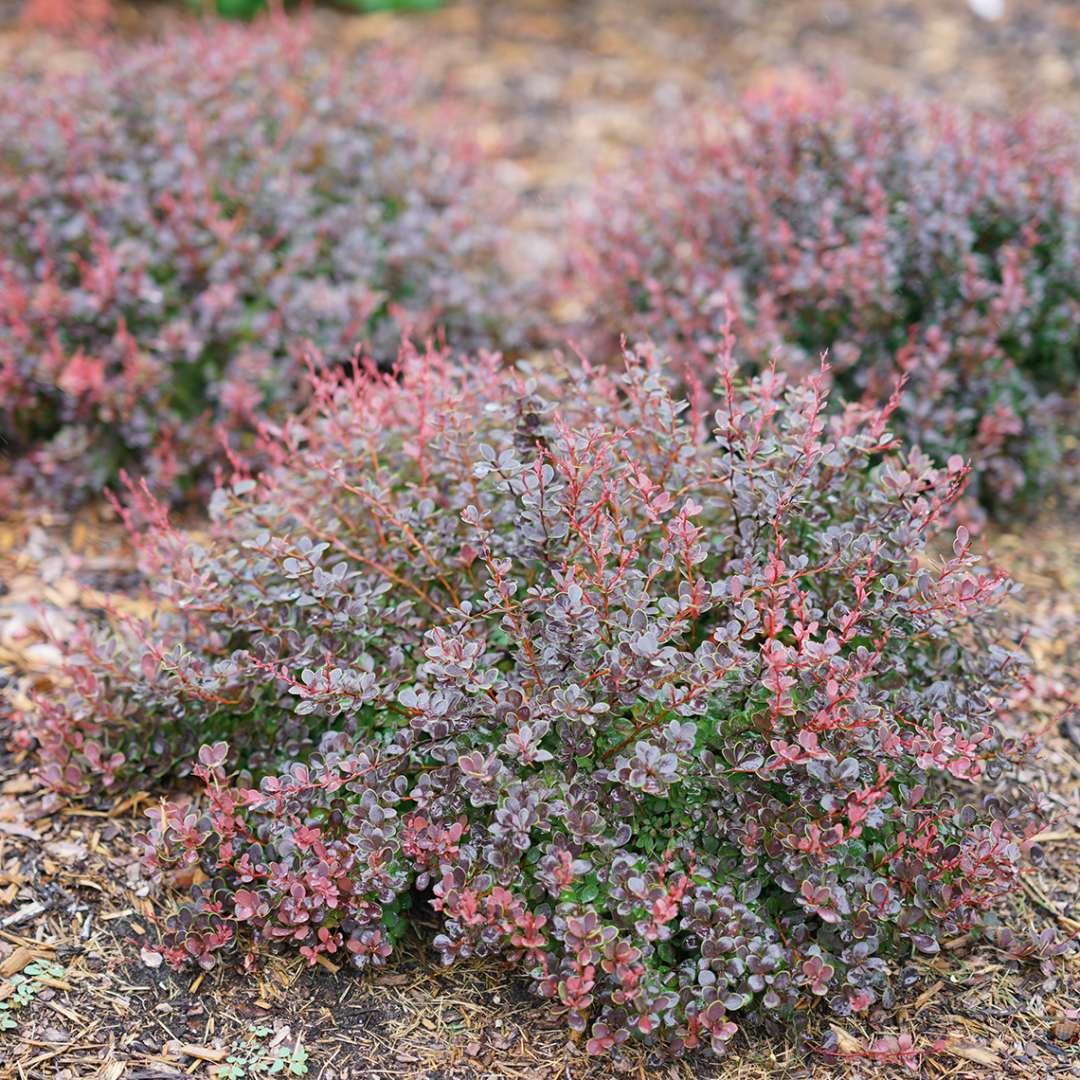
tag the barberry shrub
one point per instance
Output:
(178, 222)
(889, 234)
(684, 716)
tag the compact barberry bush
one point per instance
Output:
(682, 715)
(180, 224)
(888, 234)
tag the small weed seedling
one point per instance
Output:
(25, 988)
(260, 1057)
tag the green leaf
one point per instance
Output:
(240, 9)
(588, 892)
(392, 5)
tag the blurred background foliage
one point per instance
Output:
(67, 15)
(247, 9)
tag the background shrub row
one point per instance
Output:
(897, 236)
(172, 246)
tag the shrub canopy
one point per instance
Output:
(683, 714)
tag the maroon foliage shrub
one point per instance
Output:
(684, 717)
(887, 234)
(176, 224)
